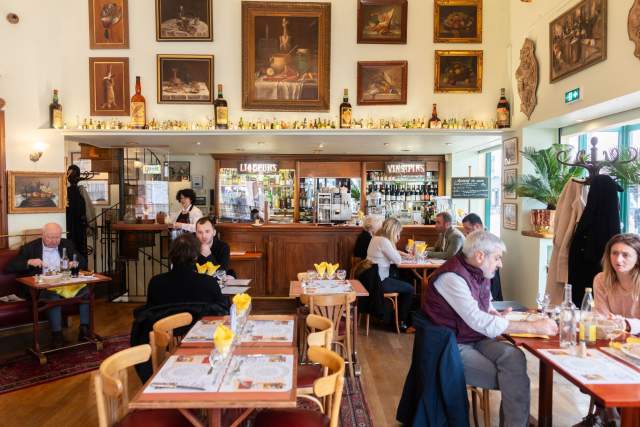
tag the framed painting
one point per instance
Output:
(108, 24)
(184, 20)
(510, 153)
(382, 82)
(457, 21)
(109, 86)
(179, 171)
(185, 79)
(578, 39)
(382, 21)
(285, 56)
(458, 71)
(37, 192)
(510, 216)
(510, 176)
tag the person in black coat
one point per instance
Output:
(471, 223)
(212, 248)
(372, 223)
(183, 284)
(43, 255)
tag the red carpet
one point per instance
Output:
(25, 370)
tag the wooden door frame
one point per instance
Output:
(4, 241)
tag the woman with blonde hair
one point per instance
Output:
(382, 251)
(617, 287)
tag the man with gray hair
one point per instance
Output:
(458, 297)
(450, 239)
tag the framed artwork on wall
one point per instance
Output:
(37, 192)
(510, 176)
(184, 20)
(510, 216)
(285, 56)
(458, 71)
(185, 79)
(179, 171)
(108, 24)
(510, 153)
(109, 86)
(382, 21)
(578, 39)
(382, 82)
(457, 21)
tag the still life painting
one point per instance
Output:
(382, 82)
(457, 21)
(382, 21)
(184, 20)
(185, 79)
(458, 71)
(37, 192)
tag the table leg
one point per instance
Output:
(354, 339)
(214, 417)
(629, 417)
(545, 396)
(36, 329)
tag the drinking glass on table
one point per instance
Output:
(612, 327)
(221, 275)
(543, 301)
(341, 274)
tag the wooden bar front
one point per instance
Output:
(288, 249)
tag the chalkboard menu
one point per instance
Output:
(473, 187)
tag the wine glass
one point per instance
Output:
(341, 274)
(543, 301)
(611, 327)
(330, 274)
(221, 275)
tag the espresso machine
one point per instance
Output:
(334, 207)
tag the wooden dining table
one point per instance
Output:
(421, 270)
(625, 397)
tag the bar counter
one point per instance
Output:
(288, 249)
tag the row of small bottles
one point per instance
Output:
(281, 198)
(403, 192)
(380, 176)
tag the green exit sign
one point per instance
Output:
(572, 96)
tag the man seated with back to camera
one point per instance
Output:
(450, 239)
(458, 298)
(471, 223)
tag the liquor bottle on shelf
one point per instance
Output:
(434, 121)
(503, 119)
(345, 111)
(221, 110)
(55, 112)
(138, 108)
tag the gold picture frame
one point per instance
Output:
(457, 21)
(458, 71)
(510, 216)
(286, 53)
(173, 74)
(108, 24)
(36, 192)
(174, 22)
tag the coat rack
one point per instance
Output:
(591, 163)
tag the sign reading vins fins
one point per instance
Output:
(405, 168)
(474, 187)
(258, 167)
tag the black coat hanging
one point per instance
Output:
(76, 211)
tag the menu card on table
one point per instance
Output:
(320, 287)
(203, 330)
(186, 374)
(266, 331)
(259, 372)
(596, 368)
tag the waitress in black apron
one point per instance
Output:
(185, 220)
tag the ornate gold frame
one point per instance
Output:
(161, 56)
(436, 21)
(159, 38)
(252, 9)
(11, 187)
(452, 53)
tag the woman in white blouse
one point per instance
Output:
(382, 251)
(189, 214)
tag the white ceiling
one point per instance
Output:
(333, 141)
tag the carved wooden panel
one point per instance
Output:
(527, 76)
(633, 26)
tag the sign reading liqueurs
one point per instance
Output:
(263, 167)
(405, 168)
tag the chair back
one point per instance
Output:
(331, 385)
(162, 340)
(332, 307)
(110, 382)
(359, 267)
(321, 334)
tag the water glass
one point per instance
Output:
(612, 328)
(543, 301)
(341, 274)
(221, 275)
(330, 276)
(312, 275)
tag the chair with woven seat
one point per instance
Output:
(320, 335)
(162, 339)
(112, 394)
(328, 387)
(337, 308)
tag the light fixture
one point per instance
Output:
(579, 121)
(39, 148)
(198, 143)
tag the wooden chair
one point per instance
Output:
(481, 394)
(335, 308)
(162, 340)
(393, 297)
(329, 387)
(321, 335)
(112, 395)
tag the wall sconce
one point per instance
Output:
(39, 148)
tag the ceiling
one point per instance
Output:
(329, 141)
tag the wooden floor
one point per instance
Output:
(384, 357)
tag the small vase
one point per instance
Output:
(542, 220)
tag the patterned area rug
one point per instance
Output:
(354, 411)
(25, 370)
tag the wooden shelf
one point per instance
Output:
(538, 235)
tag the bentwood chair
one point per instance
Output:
(320, 335)
(329, 387)
(337, 308)
(162, 340)
(112, 394)
(481, 394)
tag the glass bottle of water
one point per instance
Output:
(587, 319)
(567, 320)
(64, 261)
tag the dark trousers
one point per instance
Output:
(405, 293)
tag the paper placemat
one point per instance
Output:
(620, 355)
(259, 373)
(319, 287)
(187, 374)
(202, 331)
(234, 290)
(596, 368)
(268, 331)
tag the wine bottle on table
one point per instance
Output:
(55, 112)
(221, 111)
(345, 111)
(138, 108)
(503, 119)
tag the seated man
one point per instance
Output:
(42, 255)
(471, 223)
(211, 248)
(450, 239)
(458, 298)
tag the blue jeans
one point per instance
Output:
(55, 313)
(405, 293)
